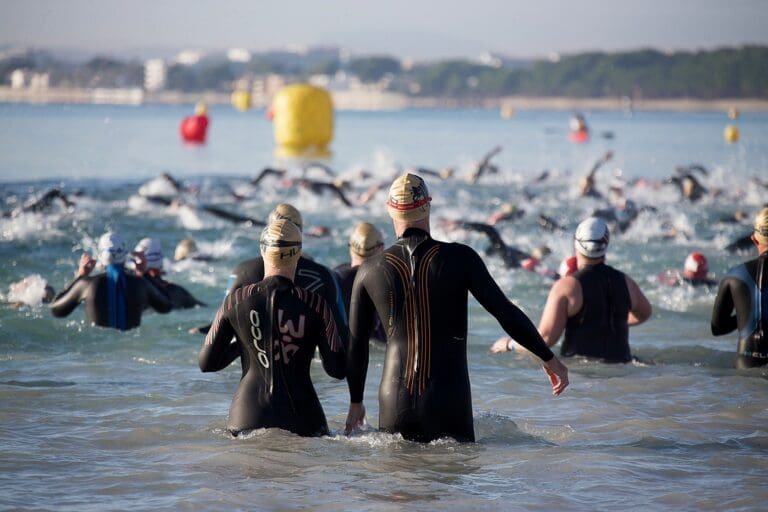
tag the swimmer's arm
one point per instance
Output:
(723, 314)
(509, 316)
(331, 347)
(556, 310)
(360, 325)
(158, 300)
(68, 299)
(218, 350)
(641, 309)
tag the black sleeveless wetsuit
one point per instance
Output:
(600, 328)
(745, 290)
(277, 327)
(92, 290)
(346, 276)
(419, 289)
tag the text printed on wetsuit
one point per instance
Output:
(256, 334)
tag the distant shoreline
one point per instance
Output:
(382, 101)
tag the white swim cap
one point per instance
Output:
(408, 198)
(288, 212)
(111, 249)
(280, 243)
(592, 236)
(365, 240)
(153, 252)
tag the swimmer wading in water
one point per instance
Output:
(419, 289)
(277, 327)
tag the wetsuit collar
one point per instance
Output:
(414, 232)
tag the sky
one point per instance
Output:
(421, 29)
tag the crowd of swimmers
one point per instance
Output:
(282, 307)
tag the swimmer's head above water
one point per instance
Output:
(365, 240)
(111, 249)
(760, 234)
(288, 212)
(153, 252)
(280, 243)
(592, 237)
(408, 199)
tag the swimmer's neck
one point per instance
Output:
(401, 226)
(583, 261)
(288, 272)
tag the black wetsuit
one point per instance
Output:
(745, 290)
(277, 327)
(310, 275)
(179, 296)
(41, 205)
(93, 290)
(600, 328)
(346, 275)
(419, 289)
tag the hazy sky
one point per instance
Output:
(417, 28)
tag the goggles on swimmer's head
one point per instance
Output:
(409, 206)
(279, 243)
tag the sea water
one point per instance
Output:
(95, 419)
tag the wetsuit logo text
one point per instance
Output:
(257, 336)
(290, 333)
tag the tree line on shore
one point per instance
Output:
(721, 73)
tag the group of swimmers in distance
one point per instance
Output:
(281, 307)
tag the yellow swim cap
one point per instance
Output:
(185, 249)
(365, 240)
(408, 198)
(287, 212)
(761, 226)
(280, 243)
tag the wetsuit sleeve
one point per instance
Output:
(68, 299)
(509, 316)
(159, 301)
(218, 350)
(332, 350)
(723, 314)
(361, 314)
(340, 310)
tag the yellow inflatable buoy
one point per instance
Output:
(241, 100)
(303, 117)
(507, 112)
(731, 134)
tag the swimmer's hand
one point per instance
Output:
(506, 344)
(355, 418)
(558, 375)
(86, 265)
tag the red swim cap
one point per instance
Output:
(696, 266)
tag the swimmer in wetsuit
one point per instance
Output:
(364, 242)
(152, 252)
(742, 301)
(419, 287)
(114, 299)
(595, 306)
(42, 204)
(277, 327)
